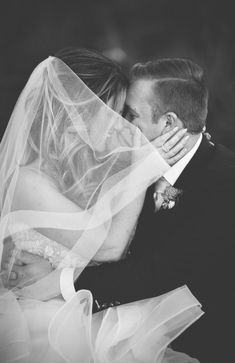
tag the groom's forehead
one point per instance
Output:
(140, 91)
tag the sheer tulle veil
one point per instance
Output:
(97, 159)
(100, 162)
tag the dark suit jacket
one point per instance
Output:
(192, 244)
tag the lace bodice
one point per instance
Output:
(34, 242)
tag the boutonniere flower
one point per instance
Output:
(207, 136)
(168, 199)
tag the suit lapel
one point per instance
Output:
(188, 179)
(190, 175)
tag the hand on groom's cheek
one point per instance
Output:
(171, 145)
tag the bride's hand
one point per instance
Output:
(171, 145)
(28, 269)
(44, 289)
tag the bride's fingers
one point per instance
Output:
(18, 277)
(162, 139)
(13, 259)
(26, 258)
(17, 273)
(8, 249)
(3, 278)
(177, 157)
(177, 148)
(18, 262)
(174, 140)
(8, 262)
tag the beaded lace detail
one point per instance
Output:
(34, 242)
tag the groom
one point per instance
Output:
(185, 233)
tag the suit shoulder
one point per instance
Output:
(223, 160)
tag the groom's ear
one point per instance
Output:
(171, 120)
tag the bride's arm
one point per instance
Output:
(35, 192)
(121, 231)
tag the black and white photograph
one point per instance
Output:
(117, 181)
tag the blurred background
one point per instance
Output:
(128, 31)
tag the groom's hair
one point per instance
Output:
(102, 75)
(179, 88)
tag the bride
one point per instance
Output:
(73, 175)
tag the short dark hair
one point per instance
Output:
(102, 75)
(179, 87)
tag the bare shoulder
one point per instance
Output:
(30, 179)
(35, 191)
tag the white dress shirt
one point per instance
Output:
(67, 274)
(174, 172)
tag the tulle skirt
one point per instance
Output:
(58, 332)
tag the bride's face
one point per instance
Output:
(98, 129)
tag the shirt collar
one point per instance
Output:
(174, 172)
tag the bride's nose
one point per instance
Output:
(137, 123)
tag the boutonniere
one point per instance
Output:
(167, 199)
(207, 136)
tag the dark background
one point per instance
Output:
(129, 31)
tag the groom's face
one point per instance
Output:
(140, 110)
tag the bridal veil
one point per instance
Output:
(101, 162)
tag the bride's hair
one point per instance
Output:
(102, 75)
(64, 156)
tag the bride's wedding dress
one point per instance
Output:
(56, 331)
